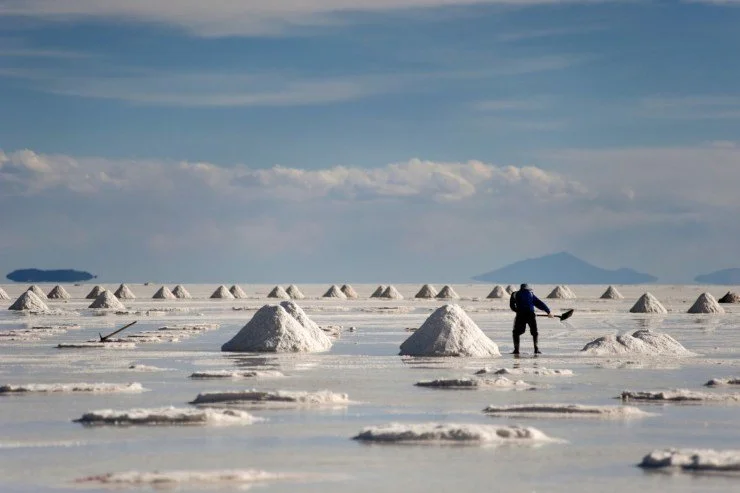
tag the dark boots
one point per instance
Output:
(516, 344)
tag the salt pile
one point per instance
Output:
(510, 289)
(108, 301)
(427, 291)
(58, 293)
(72, 387)
(706, 303)
(278, 292)
(276, 397)
(167, 416)
(391, 293)
(222, 293)
(164, 293)
(349, 292)
(561, 293)
(451, 433)
(274, 328)
(648, 304)
(641, 342)
(730, 297)
(335, 292)
(29, 301)
(450, 383)
(95, 292)
(181, 293)
(202, 375)
(294, 292)
(37, 291)
(679, 395)
(449, 332)
(96, 345)
(496, 293)
(447, 293)
(124, 293)
(540, 372)
(237, 292)
(612, 293)
(378, 292)
(567, 410)
(3, 295)
(693, 459)
(172, 479)
(717, 382)
(141, 367)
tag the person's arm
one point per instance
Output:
(540, 304)
(512, 302)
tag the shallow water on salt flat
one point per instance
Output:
(42, 450)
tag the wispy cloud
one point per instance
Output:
(694, 107)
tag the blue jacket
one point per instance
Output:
(524, 301)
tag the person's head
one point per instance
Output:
(524, 286)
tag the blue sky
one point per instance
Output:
(359, 140)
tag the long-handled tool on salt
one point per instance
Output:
(563, 317)
(105, 338)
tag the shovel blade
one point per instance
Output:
(566, 315)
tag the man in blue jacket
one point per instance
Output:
(523, 302)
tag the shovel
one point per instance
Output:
(563, 317)
(105, 338)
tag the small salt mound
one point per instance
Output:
(124, 293)
(447, 293)
(335, 292)
(450, 383)
(58, 293)
(167, 416)
(349, 292)
(679, 395)
(236, 374)
(29, 301)
(706, 303)
(171, 479)
(294, 292)
(510, 289)
(222, 293)
(693, 459)
(96, 345)
(72, 387)
(730, 297)
(561, 293)
(181, 293)
(427, 291)
(612, 293)
(276, 397)
(238, 292)
(540, 372)
(451, 433)
(648, 304)
(717, 382)
(164, 293)
(496, 293)
(140, 367)
(391, 293)
(37, 291)
(641, 342)
(278, 292)
(3, 295)
(95, 292)
(108, 301)
(378, 292)
(567, 410)
(449, 332)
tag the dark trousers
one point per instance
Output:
(522, 320)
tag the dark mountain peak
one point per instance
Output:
(724, 276)
(39, 275)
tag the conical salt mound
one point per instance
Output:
(391, 293)
(164, 293)
(378, 292)
(447, 293)
(730, 297)
(3, 295)
(427, 291)
(449, 332)
(181, 293)
(706, 303)
(107, 300)
(349, 291)
(29, 301)
(335, 292)
(237, 291)
(497, 292)
(297, 313)
(274, 329)
(294, 292)
(561, 293)
(95, 292)
(278, 292)
(58, 293)
(648, 304)
(37, 291)
(510, 289)
(222, 293)
(612, 293)
(124, 293)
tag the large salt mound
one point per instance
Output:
(237, 292)
(451, 433)
(297, 313)
(612, 293)
(107, 300)
(561, 293)
(378, 292)
(496, 293)
(335, 292)
(275, 329)
(29, 301)
(37, 291)
(278, 292)
(447, 293)
(427, 291)
(641, 342)
(58, 293)
(167, 416)
(276, 397)
(679, 395)
(391, 293)
(706, 303)
(222, 293)
(95, 292)
(648, 304)
(3, 295)
(567, 410)
(449, 332)
(71, 387)
(540, 372)
(124, 293)
(510, 289)
(181, 293)
(693, 459)
(730, 297)
(172, 479)
(717, 382)
(294, 292)
(164, 293)
(230, 374)
(349, 291)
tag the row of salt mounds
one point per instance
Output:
(181, 293)
(37, 291)
(279, 398)
(222, 293)
(641, 342)
(349, 292)
(730, 297)
(693, 459)
(427, 291)
(58, 293)
(449, 332)
(706, 303)
(612, 293)
(447, 293)
(108, 301)
(378, 292)
(648, 304)
(278, 292)
(497, 292)
(237, 292)
(451, 433)
(29, 301)
(679, 395)
(124, 293)
(562, 293)
(167, 416)
(279, 328)
(567, 411)
(95, 292)
(3, 294)
(164, 293)
(391, 293)
(335, 292)
(71, 387)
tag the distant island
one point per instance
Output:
(724, 276)
(60, 275)
(562, 268)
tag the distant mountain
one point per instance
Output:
(562, 268)
(725, 276)
(38, 275)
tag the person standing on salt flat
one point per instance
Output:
(523, 302)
